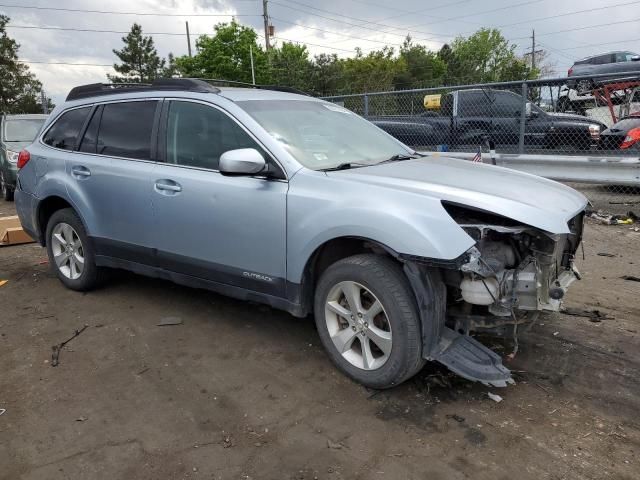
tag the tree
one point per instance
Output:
(226, 55)
(289, 65)
(140, 60)
(19, 88)
(423, 67)
(373, 72)
(485, 56)
(327, 75)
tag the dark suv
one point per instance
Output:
(612, 62)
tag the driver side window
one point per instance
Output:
(197, 135)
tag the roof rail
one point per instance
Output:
(98, 89)
(279, 88)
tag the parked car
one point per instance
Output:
(468, 117)
(612, 62)
(298, 203)
(624, 135)
(16, 132)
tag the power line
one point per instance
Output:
(574, 12)
(582, 28)
(66, 63)
(110, 12)
(601, 43)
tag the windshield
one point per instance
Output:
(23, 130)
(322, 135)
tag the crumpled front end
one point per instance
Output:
(512, 273)
(513, 270)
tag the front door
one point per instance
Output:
(227, 229)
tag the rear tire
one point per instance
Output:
(71, 255)
(377, 341)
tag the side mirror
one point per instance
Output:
(242, 161)
(527, 109)
(635, 58)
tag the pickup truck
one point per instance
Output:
(471, 117)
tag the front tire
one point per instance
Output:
(70, 253)
(368, 322)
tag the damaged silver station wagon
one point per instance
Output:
(276, 197)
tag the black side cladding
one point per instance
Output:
(462, 354)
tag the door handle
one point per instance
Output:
(80, 171)
(167, 187)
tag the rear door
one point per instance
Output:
(227, 229)
(112, 175)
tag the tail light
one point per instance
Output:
(570, 72)
(23, 158)
(633, 136)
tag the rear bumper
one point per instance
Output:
(27, 208)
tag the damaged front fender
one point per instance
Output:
(462, 354)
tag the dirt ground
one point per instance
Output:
(240, 391)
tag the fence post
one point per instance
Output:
(523, 118)
(366, 105)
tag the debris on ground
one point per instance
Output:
(456, 417)
(494, 397)
(2, 410)
(3, 282)
(593, 315)
(56, 348)
(81, 419)
(167, 321)
(605, 254)
(227, 441)
(631, 278)
(334, 445)
(610, 219)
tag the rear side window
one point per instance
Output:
(64, 132)
(125, 129)
(506, 104)
(88, 143)
(197, 135)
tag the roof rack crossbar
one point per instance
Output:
(99, 89)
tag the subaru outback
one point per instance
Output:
(276, 197)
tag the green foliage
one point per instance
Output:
(290, 65)
(485, 56)
(140, 60)
(19, 88)
(226, 55)
(422, 67)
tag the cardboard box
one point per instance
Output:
(11, 232)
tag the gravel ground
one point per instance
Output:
(240, 391)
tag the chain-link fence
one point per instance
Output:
(583, 116)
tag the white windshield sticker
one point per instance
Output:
(320, 156)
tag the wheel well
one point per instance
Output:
(47, 208)
(329, 253)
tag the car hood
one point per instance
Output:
(526, 198)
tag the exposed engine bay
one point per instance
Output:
(513, 271)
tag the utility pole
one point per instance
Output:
(45, 102)
(265, 15)
(533, 50)
(188, 38)
(253, 72)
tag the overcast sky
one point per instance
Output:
(331, 26)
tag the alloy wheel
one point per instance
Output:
(67, 249)
(358, 325)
